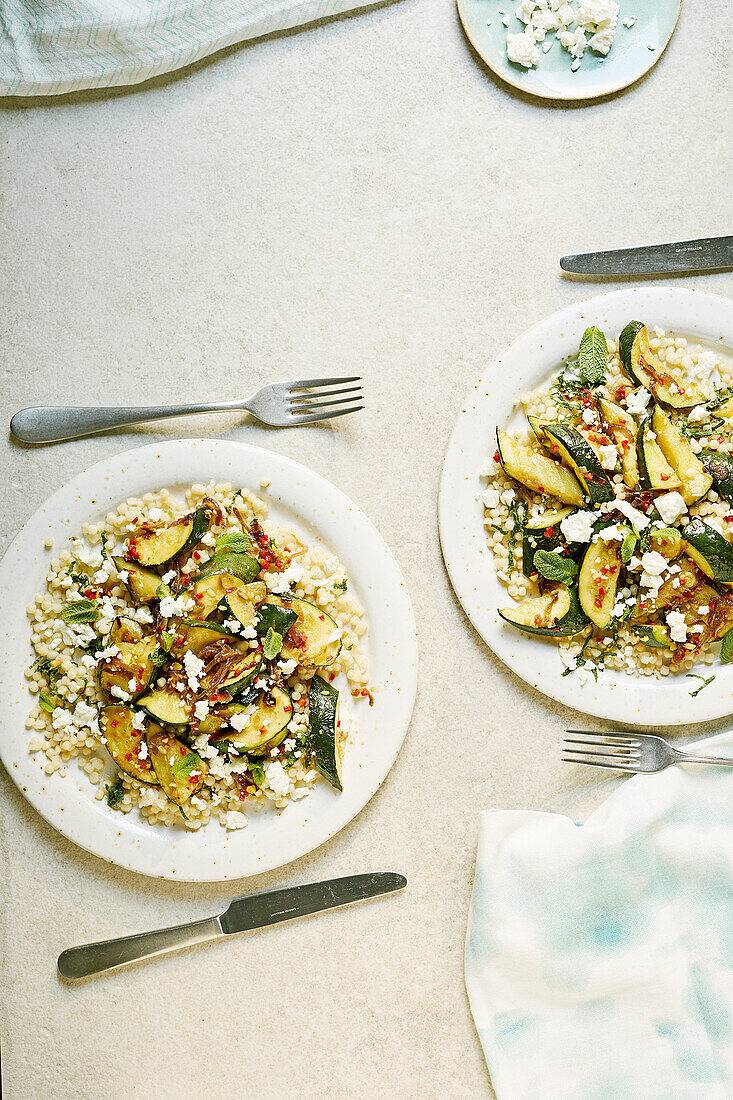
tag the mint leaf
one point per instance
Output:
(553, 566)
(166, 640)
(272, 617)
(81, 611)
(628, 546)
(340, 586)
(115, 793)
(592, 356)
(235, 542)
(726, 649)
(185, 765)
(272, 644)
(258, 773)
(46, 703)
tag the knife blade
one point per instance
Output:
(242, 915)
(704, 254)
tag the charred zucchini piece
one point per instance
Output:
(242, 674)
(141, 583)
(243, 599)
(324, 733)
(542, 534)
(643, 366)
(194, 636)
(712, 553)
(655, 473)
(179, 770)
(314, 640)
(166, 706)
(719, 464)
(555, 614)
(133, 666)
(160, 547)
(266, 724)
(695, 480)
(536, 471)
(655, 636)
(598, 581)
(725, 409)
(622, 429)
(125, 629)
(576, 452)
(207, 594)
(125, 744)
(674, 590)
(243, 566)
(667, 544)
(220, 716)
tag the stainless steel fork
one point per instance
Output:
(282, 405)
(630, 752)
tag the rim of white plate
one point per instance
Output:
(634, 700)
(271, 839)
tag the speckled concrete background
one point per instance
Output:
(355, 196)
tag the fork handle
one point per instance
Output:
(52, 424)
(694, 758)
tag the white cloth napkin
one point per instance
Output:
(599, 957)
(52, 46)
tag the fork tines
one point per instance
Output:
(322, 398)
(603, 750)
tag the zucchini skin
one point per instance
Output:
(538, 538)
(655, 636)
(596, 589)
(622, 428)
(655, 473)
(537, 471)
(709, 550)
(572, 621)
(642, 365)
(323, 731)
(580, 456)
(720, 467)
(695, 481)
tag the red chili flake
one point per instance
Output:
(720, 439)
(496, 456)
(613, 569)
(625, 444)
(601, 591)
(321, 617)
(197, 555)
(128, 756)
(332, 675)
(597, 602)
(604, 570)
(588, 475)
(548, 532)
(287, 709)
(537, 620)
(664, 477)
(115, 724)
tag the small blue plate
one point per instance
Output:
(628, 59)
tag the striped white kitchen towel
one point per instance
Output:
(52, 46)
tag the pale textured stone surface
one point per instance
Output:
(358, 196)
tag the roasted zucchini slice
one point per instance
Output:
(655, 473)
(160, 547)
(324, 732)
(555, 614)
(641, 364)
(314, 640)
(195, 636)
(719, 464)
(655, 636)
(220, 716)
(712, 553)
(125, 629)
(674, 590)
(695, 480)
(622, 429)
(243, 599)
(132, 670)
(141, 583)
(576, 452)
(542, 534)
(242, 674)
(243, 566)
(266, 724)
(598, 581)
(125, 744)
(166, 706)
(667, 544)
(536, 471)
(179, 770)
(207, 593)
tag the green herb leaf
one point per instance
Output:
(51, 672)
(704, 684)
(81, 611)
(340, 586)
(593, 356)
(158, 656)
(46, 703)
(185, 765)
(166, 640)
(258, 773)
(628, 546)
(726, 649)
(272, 617)
(104, 537)
(272, 644)
(235, 542)
(554, 567)
(115, 793)
(162, 591)
(77, 574)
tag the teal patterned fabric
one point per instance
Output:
(599, 958)
(52, 46)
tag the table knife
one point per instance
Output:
(243, 914)
(705, 254)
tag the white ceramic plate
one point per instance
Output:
(325, 515)
(628, 60)
(493, 400)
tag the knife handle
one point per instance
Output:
(94, 958)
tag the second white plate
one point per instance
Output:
(526, 363)
(296, 496)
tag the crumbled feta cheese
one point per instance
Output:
(235, 819)
(142, 752)
(574, 42)
(578, 526)
(77, 634)
(637, 400)
(239, 721)
(677, 626)
(277, 778)
(670, 506)
(201, 709)
(490, 498)
(508, 497)
(194, 666)
(124, 575)
(118, 693)
(699, 415)
(138, 720)
(613, 533)
(132, 685)
(636, 518)
(280, 583)
(704, 610)
(589, 416)
(175, 605)
(287, 667)
(169, 576)
(609, 456)
(629, 21)
(522, 48)
(105, 654)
